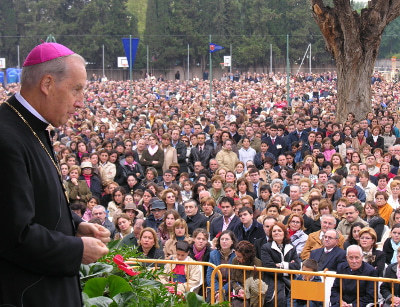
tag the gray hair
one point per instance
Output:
(57, 67)
(280, 182)
(99, 207)
(332, 182)
(329, 216)
(354, 247)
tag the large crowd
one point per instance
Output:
(246, 177)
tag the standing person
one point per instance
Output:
(153, 156)
(37, 219)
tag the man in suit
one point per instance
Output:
(45, 243)
(276, 144)
(314, 240)
(194, 219)
(180, 150)
(228, 221)
(314, 125)
(298, 135)
(268, 222)
(140, 147)
(233, 127)
(201, 152)
(329, 256)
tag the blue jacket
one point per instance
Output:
(215, 258)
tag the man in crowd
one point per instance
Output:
(194, 219)
(352, 215)
(228, 221)
(353, 292)
(329, 256)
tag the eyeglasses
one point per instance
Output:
(329, 238)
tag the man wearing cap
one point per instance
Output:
(45, 243)
(157, 213)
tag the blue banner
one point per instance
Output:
(13, 75)
(134, 47)
(2, 77)
(215, 47)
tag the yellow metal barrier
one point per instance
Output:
(291, 273)
(298, 293)
(133, 261)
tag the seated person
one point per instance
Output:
(329, 256)
(309, 265)
(187, 277)
(353, 266)
(392, 271)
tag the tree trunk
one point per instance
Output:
(353, 40)
(354, 86)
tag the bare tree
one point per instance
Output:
(353, 39)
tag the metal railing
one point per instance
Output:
(157, 262)
(261, 270)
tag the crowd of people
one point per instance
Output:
(245, 178)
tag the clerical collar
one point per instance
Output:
(27, 106)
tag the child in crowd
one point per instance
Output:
(187, 277)
(309, 265)
(187, 190)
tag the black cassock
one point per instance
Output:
(39, 253)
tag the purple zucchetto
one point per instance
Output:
(46, 52)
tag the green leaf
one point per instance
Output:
(118, 285)
(123, 299)
(99, 268)
(95, 286)
(100, 301)
(193, 300)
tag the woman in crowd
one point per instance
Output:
(93, 201)
(130, 166)
(77, 190)
(393, 272)
(371, 215)
(296, 232)
(217, 191)
(246, 255)
(166, 228)
(207, 205)
(150, 176)
(148, 244)
(354, 237)
(123, 224)
(179, 233)
(223, 254)
(120, 176)
(392, 244)
(169, 198)
(394, 198)
(132, 184)
(243, 187)
(116, 205)
(375, 140)
(82, 149)
(144, 204)
(200, 249)
(170, 155)
(153, 156)
(338, 165)
(371, 255)
(359, 140)
(278, 253)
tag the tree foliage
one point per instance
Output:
(83, 25)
